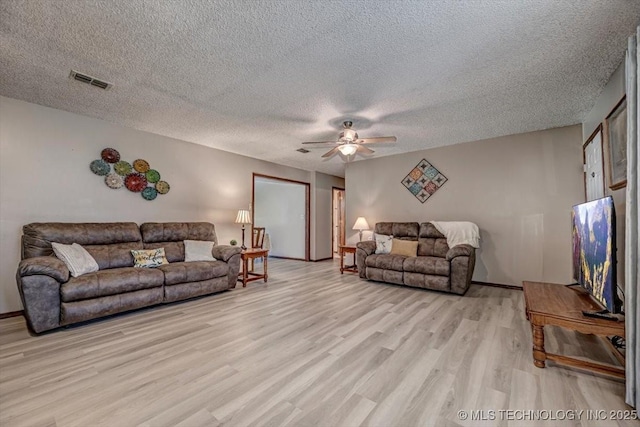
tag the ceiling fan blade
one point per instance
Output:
(377, 139)
(322, 142)
(331, 152)
(364, 150)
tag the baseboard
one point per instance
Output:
(11, 314)
(321, 259)
(497, 285)
(286, 257)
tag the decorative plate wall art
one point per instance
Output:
(162, 187)
(135, 182)
(149, 193)
(152, 175)
(114, 181)
(137, 177)
(141, 165)
(122, 168)
(424, 180)
(100, 167)
(110, 155)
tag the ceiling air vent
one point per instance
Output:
(302, 150)
(84, 78)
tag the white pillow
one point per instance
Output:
(76, 258)
(383, 243)
(198, 250)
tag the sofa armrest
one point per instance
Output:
(225, 252)
(369, 246)
(40, 295)
(363, 250)
(44, 265)
(463, 261)
(459, 250)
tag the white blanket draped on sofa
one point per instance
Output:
(459, 232)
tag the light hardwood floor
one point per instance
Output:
(310, 348)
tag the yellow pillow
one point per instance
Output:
(404, 247)
(149, 258)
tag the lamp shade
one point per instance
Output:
(244, 217)
(361, 224)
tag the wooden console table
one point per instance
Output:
(559, 305)
(344, 250)
(251, 254)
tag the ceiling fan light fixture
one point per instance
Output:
(348, 149)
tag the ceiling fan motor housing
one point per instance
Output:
(348, 135)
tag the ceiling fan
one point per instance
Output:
(348, 143)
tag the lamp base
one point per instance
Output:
(360, 235)
(243, 247)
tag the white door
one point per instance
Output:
(594, 171)
(280, 207)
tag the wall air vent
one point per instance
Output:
(84, 78)
(302, 150)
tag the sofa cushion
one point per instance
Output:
(196, 271)
(385, 261)
(431, 242)
(110, 282)
(171, 236)
(149, 258)
(37, 238)
(404, 247)
(76, 258)
(198, 250)
(114, 255)
(399, 230)
(427, 265)
(383, 243)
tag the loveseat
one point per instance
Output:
(436, 266)
(52, 298)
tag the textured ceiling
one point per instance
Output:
(259, 77)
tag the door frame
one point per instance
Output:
(333, 225)
(307, 209)
(599, 129)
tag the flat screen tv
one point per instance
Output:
(594, 250)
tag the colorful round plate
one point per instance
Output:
(141, 165)
(153, 175)
(135, 182)
(162, 187)
(149, 193)
(110, 155)
(113, 180)
(122, 168)
(100, 167)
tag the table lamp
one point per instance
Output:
(244, 217)
(361, 224)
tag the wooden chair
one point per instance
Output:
(257, 241)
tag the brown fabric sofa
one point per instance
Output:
(436, 267)
(52, 298)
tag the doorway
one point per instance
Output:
(282, 207)
(338, 230)
(594, 169)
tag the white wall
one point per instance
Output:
(44, 176)
(280, 207)
(519, 189)
(607, 100)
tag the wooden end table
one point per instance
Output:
(559, 305)
(246, 276)
(344, 250)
